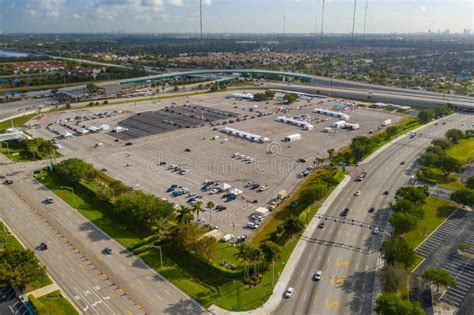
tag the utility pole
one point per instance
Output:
(200, 14)
(322, 20)
(284, 24)
(365, 15)
(316, 19)
(354, 17)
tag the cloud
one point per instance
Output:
(50, 8)
(207, 2)
(175, 2)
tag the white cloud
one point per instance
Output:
(45, 7)
(207, 2)
(175, 2)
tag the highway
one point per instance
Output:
(119, 283)
(348, 254)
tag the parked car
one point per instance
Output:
(49, 200)
(289, 293)
(43, 246)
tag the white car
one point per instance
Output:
(262, 188)
(252, 225)
(357, 193)
(317, 276)
(289, 292)
(376, 230)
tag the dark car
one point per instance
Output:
(345, 212)
(372, 210)
(128, 144)
(301, 160)
(43, 246)
(8, 182)
(321, 225)
(221, 208)
(385, 192)
(402, 163)
(107, 251)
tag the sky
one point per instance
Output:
(233, 16)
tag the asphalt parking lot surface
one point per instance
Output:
(205, 153)
(440, 250)
(11, 304)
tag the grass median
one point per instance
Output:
(54, 303)
(208, 283)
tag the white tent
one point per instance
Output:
(225, 186)
(236, 191)
(104, 127)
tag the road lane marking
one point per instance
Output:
(337, 281)
(332, 304)
(341, 263)
(158, 297)
(304, 298)
(130, 285)
(149, 301)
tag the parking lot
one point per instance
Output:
(189, 156)
(11, 304)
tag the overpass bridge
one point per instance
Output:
(324, 86)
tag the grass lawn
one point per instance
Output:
(453, 183)
(95, 211)
(464, 151)
(11, 242)
(54, 303)
(435, 213)
(206, 283)
(17, 122)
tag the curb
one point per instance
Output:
(280, 287)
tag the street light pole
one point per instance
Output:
(73, 195)
(161, 254)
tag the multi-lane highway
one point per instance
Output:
(119, 283)
(348, 254)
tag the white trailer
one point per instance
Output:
(293, 137)
(339, 124)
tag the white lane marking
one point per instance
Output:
(122, 267)
(138, 280)
(86, 302)
(366, 267)
(304, 298)
(302, 273)
(100, 300)
(356, 266)
(158, 297)
(166, 292)
(309, 257)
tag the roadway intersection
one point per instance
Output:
(98, 284)
(348, 254)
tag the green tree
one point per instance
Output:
(331, 153)
(393, 277)
(406, 206)
(361, 146)
(74, 170)
(19, 267)
(294, 225)
(290, 98)
(454, 135)
(464, 196)
(210, 205)
(206, 248)
(470, 182)
(313, 193)
(271, 251)
(243, 254)
(270, 94)
(391, 132)
(403, 222)
(197, 208)
(184, 215)
(397, 250)
(185, 235)
(438, 277)
(392, 304)
(415, 194)
(426, 116)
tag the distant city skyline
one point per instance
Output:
(233, 16)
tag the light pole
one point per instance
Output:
(73, 195)
(161, 254)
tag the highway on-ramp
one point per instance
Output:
(119, 283)
(347, 253)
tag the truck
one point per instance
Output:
(361, 176)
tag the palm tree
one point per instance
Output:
(256, 255)
(184, 215)
(243, 254)
(210, 205)
(197, 208)
(294, 225)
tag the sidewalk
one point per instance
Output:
(45, 290)
(291, 264)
